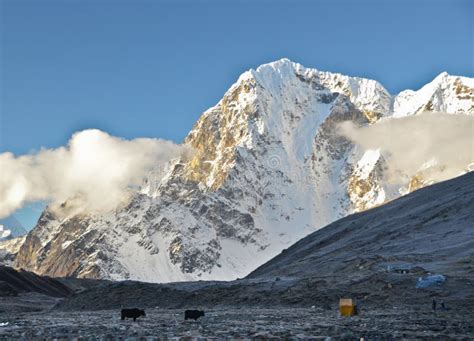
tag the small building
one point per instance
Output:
(347, 307)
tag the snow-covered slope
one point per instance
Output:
(445, 93)
(9, 248)
(268, 169)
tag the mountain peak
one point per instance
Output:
(445, 93)
(278, 64)
(268, 168)
(444, 80)
(276, 71)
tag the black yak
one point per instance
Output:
(193, 314)
(132, 313)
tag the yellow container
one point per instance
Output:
(347, 307)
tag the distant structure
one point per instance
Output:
(347, 307)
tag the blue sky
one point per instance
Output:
(150, 68)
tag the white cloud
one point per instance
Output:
(95, 171)
(439, 144)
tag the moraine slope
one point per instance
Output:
(428, 231)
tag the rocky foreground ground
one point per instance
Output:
(244, 323)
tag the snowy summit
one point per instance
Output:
(269, 168)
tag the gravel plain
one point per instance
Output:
(232, 323)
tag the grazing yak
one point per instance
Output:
(193, 314)
(132, 313)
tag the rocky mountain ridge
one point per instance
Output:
(269, 169)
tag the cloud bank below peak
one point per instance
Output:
(94, 171)
(439, 145)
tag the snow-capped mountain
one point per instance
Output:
(4, 233)
(13, 225)
(269, 168)
(9, 248)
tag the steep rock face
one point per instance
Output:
(269, 168)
